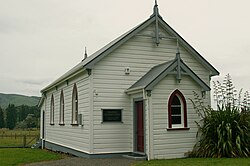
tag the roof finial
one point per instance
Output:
(156, 11)
(85, 54)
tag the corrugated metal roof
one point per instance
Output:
(89, 59)
(157, 73)
(151, 75)
(89, 62)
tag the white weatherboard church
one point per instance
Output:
(131, 96)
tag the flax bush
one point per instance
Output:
(224, 132)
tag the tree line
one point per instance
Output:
(19, 117)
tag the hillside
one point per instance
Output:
(17, 100)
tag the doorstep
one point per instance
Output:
(135, 156)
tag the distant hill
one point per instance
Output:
(17, 100)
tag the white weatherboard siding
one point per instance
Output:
(173, 144)
(75, 137)
(109, 82)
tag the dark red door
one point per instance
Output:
(140, 126)
(43, 124)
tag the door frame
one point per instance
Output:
(135, 126)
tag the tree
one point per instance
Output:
(224, 132)
(23, 111)
(11, 116)
(21, 125)
(31, 121)
(1, 118)
(27, 116)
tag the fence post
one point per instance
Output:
(24, 141)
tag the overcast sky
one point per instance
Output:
(42, 39)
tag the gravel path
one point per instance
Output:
(77, 161)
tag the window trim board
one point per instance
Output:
(121, 110)
(183, 101)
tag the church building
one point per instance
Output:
(133, 96)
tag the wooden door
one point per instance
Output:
(140, 126)
(43, 124)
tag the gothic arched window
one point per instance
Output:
(177, 110)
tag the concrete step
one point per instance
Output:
(135, 156)
(38, 144)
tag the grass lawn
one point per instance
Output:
(197, 162)
(17, 156)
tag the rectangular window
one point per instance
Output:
(112, 115)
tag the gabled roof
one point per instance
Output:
(151, 75)
(90, 61)
(157, 73)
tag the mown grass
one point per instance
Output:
(197, 162)
(19, 156)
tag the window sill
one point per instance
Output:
(106, 122)
(174, 129)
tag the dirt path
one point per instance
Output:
(77, 161)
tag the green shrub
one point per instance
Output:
(224, 132)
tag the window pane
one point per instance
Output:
(176, 101)
(176, 111)
(61, 121)
(74, 105)
(176, 119)
(52, 110)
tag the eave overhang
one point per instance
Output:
(157, 73)
(90, 61)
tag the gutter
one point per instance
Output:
(135, 90)
(60, 81)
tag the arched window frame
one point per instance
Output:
(52, 110)
(61, 117)
(183, 103)
(74, 106)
